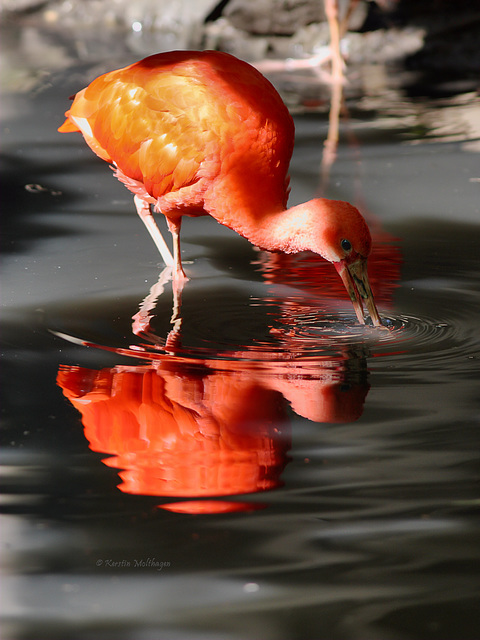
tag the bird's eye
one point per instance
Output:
(346, 244)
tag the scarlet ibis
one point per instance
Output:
(203, 133)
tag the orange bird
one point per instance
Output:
(203, 133)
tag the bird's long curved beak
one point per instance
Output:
(355, 278)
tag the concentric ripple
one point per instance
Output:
(431, 343)
(230, 324)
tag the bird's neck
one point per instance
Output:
(256, 209)
(253, 203)
(276, 229)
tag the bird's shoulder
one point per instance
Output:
(166, 119)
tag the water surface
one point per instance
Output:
(274, 470)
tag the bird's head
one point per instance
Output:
(340, 234)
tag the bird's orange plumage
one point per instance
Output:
(201, 131)
(197, 133)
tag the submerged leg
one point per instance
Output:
(143, 210)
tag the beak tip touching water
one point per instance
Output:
(355, 278)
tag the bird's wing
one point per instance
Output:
(153, 126)
(172, 119)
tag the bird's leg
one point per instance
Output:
(331, 11)
(179, 277)
(143, 210)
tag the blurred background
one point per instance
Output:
(435, 37)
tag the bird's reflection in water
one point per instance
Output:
(196, 432)
(203, 430)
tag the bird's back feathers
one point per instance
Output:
(177, 119)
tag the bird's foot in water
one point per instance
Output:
(179, 280)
